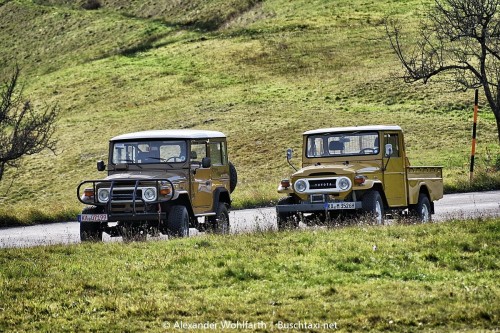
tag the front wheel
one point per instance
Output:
(178, 222)
(422, 210)
(373, 206)
(287, 220)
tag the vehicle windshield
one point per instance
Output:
(149, 152)
(342, 144)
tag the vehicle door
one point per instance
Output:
(201, 179)
(395, 172)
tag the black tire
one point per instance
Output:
(91, 231)
(219, 224)
(422, 210)
(233, 177)
(287, 221)
(178, 222)
(373, 206)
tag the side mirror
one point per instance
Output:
(101, 166)
(206, 162)
(289, 153)
(388, 150)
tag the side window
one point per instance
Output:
(198, 151)
(393, 139)
(224, 153)
(217, 153)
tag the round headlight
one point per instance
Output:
(300, 185)
(103, 195)
(149, 194)
(343, 183)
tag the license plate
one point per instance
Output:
(93, 218)
(341, 205)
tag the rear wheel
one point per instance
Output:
(219, 224)
(422, 210)
(178, 222)
(373, 206)
(91, 231)
(287, 220)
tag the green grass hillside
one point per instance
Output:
(262, 72)
(439, 277)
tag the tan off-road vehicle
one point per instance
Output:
(349, 171)
(163, 181)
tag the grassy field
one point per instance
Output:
(420, 278)
(263, 72)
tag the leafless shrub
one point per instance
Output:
(23, 131)
(91, 5)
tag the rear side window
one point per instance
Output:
(218, 153)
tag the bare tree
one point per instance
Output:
(23, 131)
(459, 40)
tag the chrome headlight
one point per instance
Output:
(300, 185)
(103, 194)
(343, 183)
(149, 194)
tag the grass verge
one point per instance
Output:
(434, 277)
(32, 215)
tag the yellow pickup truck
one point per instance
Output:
(352, 171)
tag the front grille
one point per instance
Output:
(128, 208)
(322, 184)
(126, 194)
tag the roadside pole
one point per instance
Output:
(474, 128)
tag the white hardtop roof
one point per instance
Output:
(170, 134)
(355, 129)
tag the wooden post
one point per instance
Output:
(474, 128)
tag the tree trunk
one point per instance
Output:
(498, 126)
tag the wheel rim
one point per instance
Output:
(223, 224)
(378, 212)
(185, 225)
(425, 216)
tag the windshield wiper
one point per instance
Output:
(132, 162)
(161, 159)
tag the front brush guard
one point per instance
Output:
(129, 198)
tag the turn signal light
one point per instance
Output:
(88, 192)
(285, 183)
(165, 191)
(359, 180)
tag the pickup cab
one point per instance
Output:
(353, 171)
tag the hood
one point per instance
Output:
(173, 176)
(336, 169)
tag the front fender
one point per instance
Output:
(368, 184)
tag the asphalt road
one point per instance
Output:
(465, 205)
